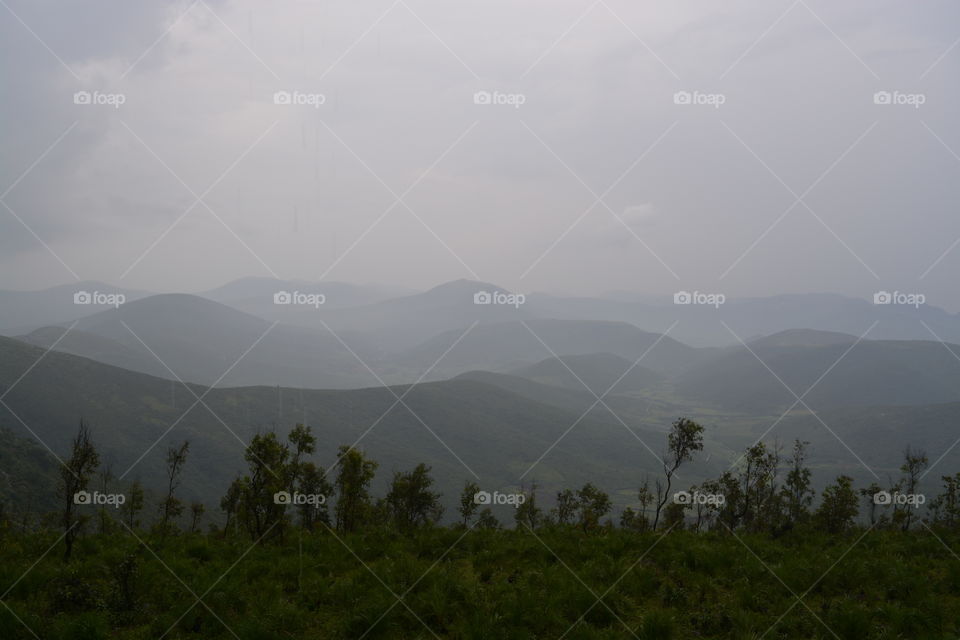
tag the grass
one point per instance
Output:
(483, 584)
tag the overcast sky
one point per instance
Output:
(589, 178)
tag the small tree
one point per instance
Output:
(869, 495)
(410, 502)
(708, 512)
(566, 507)
(171, 507)
(353, 488)
(468, 502)
(646, 498)
(74, 477)
(105, 478)
(527, 515)
(593, 504)
(758, 491)
(133, 505)
(685, 438)
(313, 482)
(257, 506)
(797, 488)
(487, 520)
(945, 508)
(674, 515)
(196, 513)
(230, 503)
(838, 506)
(912, 468)
(304, 443)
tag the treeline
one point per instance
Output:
(763, 492)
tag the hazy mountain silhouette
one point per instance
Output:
(874, 372)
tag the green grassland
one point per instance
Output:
(458, 583)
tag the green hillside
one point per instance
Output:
(599, 372)
(496, 433)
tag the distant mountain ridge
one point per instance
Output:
(201, 340)
(845, 372)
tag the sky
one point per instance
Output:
(750, 148)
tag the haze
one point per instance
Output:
(798, 182)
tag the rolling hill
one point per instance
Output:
(24, 311)
(200, 340)
(495, 433)
(598, 371)
(506, 346)
(874, 372)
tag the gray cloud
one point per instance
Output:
(503, 183)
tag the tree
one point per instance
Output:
(353, 488)
(685, 438)
(945, 508)
(674, 514)
(105, 477)
(706, 511)
(869, 495)
(592, 504)
(566, 507)
(637, 520)
(838, 506)
(277, 472)
(468, 502)
(731, 512)
(487, 520)
(257, 506)
(304, 443)
(230, 503)
(410, 502)
(758, 492)
(646, 498)
(313, 482)
(171, 507)
(74, 477)
(196, 512)
(629, 520)
(527, 515)
(133, 505)
(912, 468)
(797, 490)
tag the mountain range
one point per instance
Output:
(510, 390)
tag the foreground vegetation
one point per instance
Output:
(458, 583)
(304, 552)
